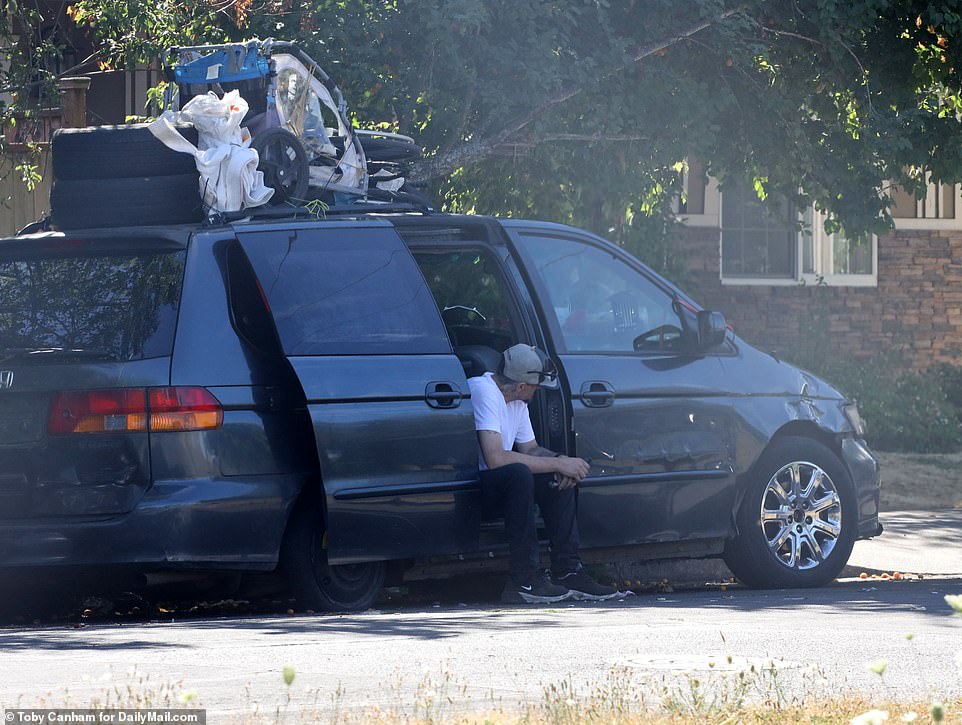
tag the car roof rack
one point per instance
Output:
(274, 212)
(300, 212)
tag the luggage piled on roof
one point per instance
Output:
(290, 134)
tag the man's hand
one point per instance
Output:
(566, 482)
(576, 468)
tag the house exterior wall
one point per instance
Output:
(915, 309)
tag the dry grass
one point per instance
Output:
(849, 710)
(912, 481)
(623, 697)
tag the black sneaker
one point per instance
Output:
(584, 588)
(537, 590)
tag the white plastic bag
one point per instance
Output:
(229, 179)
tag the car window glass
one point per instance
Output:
(345, 292)
(115, 307)
(600, 302)
(470, 293)
(248, 307)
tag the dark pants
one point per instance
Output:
(512, 491)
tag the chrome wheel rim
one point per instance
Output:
(801, 515)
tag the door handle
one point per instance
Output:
(597, 394)
(442, 394)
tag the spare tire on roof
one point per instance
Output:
(86, 203)
(117, 152)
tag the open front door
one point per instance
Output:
(386, 395)
(649, 414)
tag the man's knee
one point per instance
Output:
(518, 473)
(516, 482)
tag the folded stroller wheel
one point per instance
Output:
(284, 163)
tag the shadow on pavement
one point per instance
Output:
(438, 623)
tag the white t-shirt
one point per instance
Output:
(492, 412)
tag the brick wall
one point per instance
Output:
(915, 309)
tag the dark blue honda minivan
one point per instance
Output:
(291, 395)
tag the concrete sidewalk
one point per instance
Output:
(916, 542)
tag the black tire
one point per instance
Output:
(762, 553)
(385, 148)
(316, 584)
(117, 152)
(126, 202)
(284, 163)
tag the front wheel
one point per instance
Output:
(317, 584)
(798, 519)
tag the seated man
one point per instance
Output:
(516, 472)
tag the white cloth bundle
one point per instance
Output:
(229, 179)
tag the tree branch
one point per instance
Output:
(462, 121)
(443, 164)
(513, 148)
(814, 41)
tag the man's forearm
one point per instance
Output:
(539, 460)
(540, 452)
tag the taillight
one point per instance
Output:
(125, 410)
(184, 409)
(99, 411)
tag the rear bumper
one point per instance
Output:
(224, 523)
(864, 468)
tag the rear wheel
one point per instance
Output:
(317, 584)
(797, 522)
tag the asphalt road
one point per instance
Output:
(483, 655)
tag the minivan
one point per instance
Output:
(289, 394)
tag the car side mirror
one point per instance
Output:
(712, 329)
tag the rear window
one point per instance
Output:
(116, 306)
(345, 291)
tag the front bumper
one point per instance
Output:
(864, 468)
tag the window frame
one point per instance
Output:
(931, 223)
(519, 331)
(823, 247)
(543, 297)
(819, 241)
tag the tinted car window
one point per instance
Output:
(470, 293)
(345, 291)
(601, 303)
(116, 307)
(248, 307)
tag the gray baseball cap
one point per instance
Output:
(527, 364)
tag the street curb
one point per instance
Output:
(669, 573)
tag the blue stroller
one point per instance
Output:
(298, 120)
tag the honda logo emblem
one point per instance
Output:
(6, 379)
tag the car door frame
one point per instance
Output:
(366, 407)
(550, 409)
(596, 524)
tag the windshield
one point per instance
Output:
(113, 307)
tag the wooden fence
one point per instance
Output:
(18, 206)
